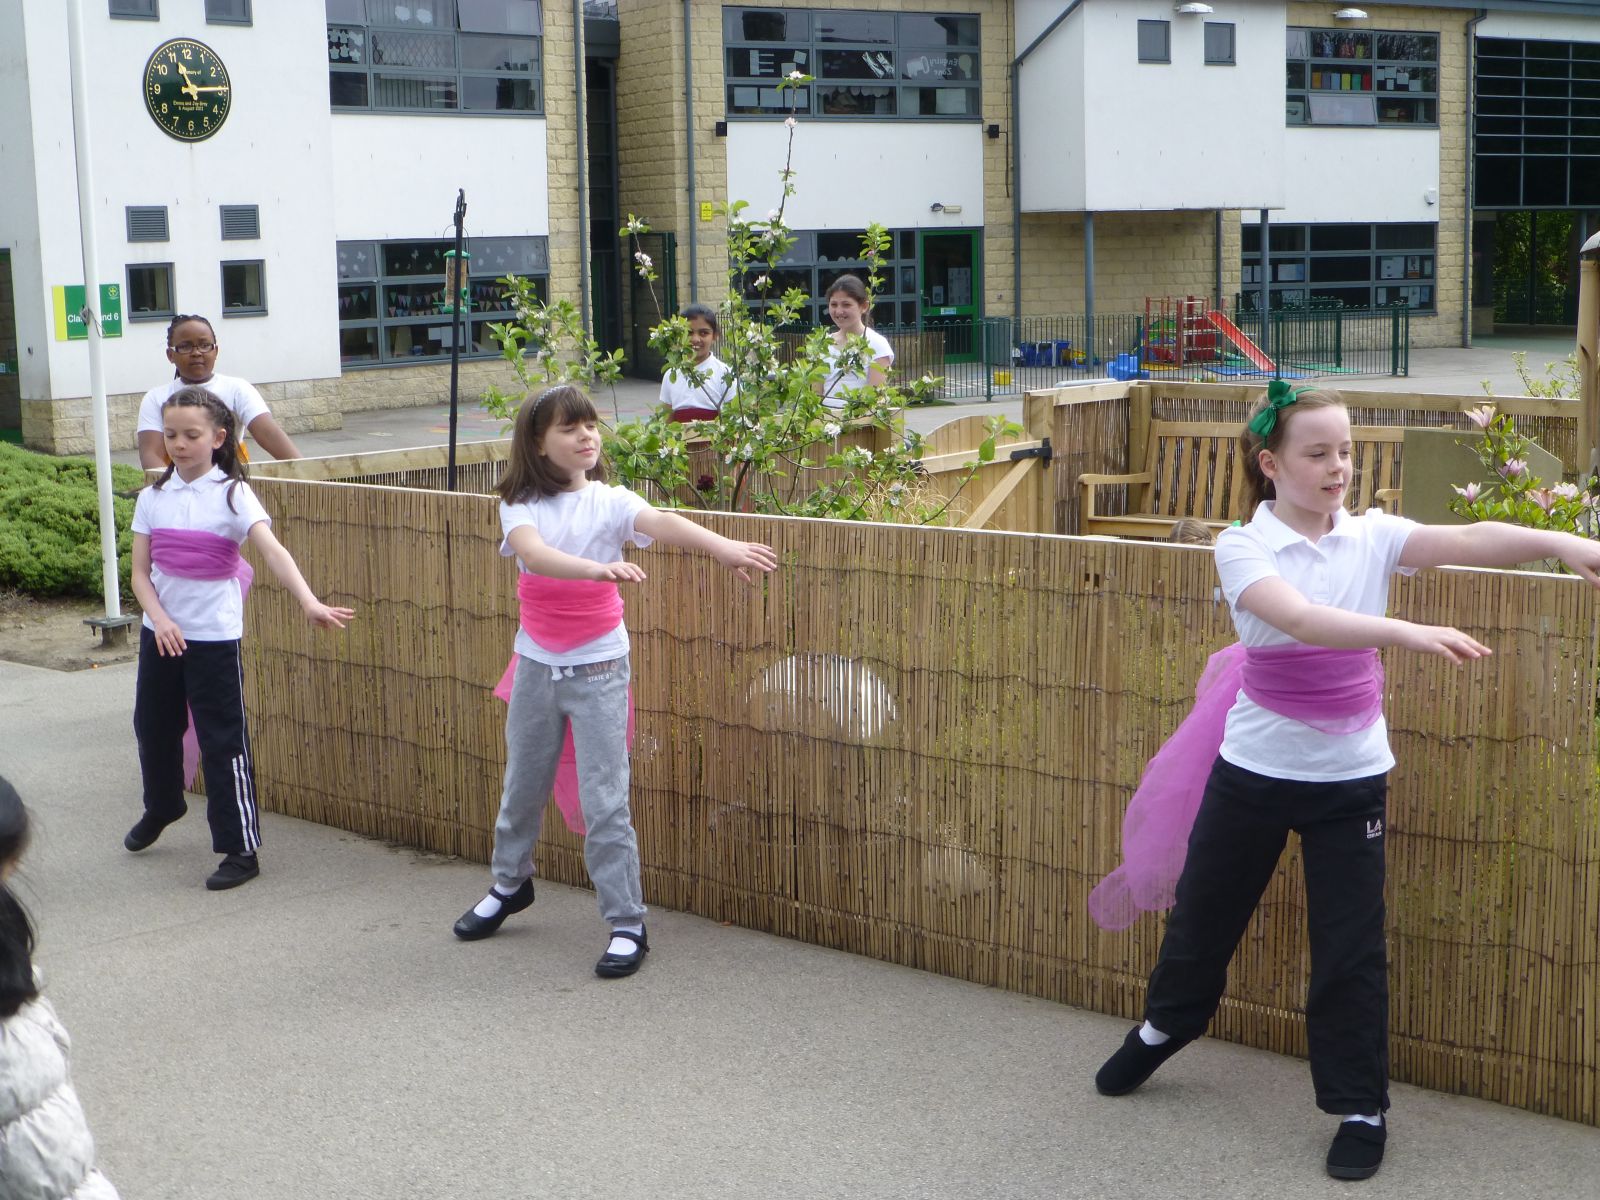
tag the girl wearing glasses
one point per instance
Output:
(192, 350)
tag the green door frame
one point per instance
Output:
(962, 343)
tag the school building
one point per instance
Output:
(295, 180)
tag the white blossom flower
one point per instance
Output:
(727, 458)
(832, 429)
(796, 75)
(791, 122)
(762, 281)
(643, 260)
(1567, 491)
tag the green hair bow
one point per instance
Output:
(1279, 396)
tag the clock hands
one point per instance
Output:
(192, 89)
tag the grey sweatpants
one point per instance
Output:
(594, 697)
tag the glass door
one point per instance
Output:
(949, 273)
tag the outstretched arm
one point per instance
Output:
(1278, 604)
(544, 559)
(1497, 544)
(675, 530)
(283, 566)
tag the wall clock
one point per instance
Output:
(186, 89)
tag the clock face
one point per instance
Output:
(186, 89)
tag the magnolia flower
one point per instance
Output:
(791, 122)
(1513, 467)
(832, 429)
(1543, 497)
(1468, 493)
(1567, 491)
(1481, 416)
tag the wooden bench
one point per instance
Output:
(1190, 471)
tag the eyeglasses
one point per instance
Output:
(194, 347)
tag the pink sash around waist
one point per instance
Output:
(562, 614)
(1332, 691)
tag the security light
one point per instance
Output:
(1349, 14)
(1195, 10)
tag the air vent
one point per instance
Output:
(241, 222)
(148, 223)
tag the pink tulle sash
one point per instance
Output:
(196, 554)
(561, 614)
(1333, 691)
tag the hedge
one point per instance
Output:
(50, 527)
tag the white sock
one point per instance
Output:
(1151, 1036)
(624, 946)
(1375, 1120)
(490, 905)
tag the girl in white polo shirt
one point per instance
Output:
(850, 309)
(191, 583)
(1303, 746)
(699, 402)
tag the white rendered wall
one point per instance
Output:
(1356, 175)
(850, 173)
(273, 152)
(1050, 98)
(396, 176)
(19, 209)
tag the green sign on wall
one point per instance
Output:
(69, 304)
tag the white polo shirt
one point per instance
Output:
(1349, 567)
(206, 610)
(240, 396)
(676, 389)
(593, 522)
(841, 380)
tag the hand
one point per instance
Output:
(618, 572)
(1445, 642)
(322, 615)
(1582, 557)
(169, 638)
(737, 556)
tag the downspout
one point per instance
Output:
(581, 142)
(1466, 233)
(1016, 161)
(688, 151)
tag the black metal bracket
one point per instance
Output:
(1040, 451)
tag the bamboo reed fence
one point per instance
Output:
(917, 744)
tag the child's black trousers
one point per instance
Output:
(1239, 834)
(207, 679)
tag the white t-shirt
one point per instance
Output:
(840, 380)
(676, 390)
(240, 396)
(593, 522)
(1348, 567)
(206, 610)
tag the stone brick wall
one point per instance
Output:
(565, 142)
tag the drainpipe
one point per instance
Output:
(688, 151)
(1016, 163)
(1088, 290)
(581, 141)
(1466, 237)
(1216, 258)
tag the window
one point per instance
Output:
(244, 288)
(865, 64)
(477, 56)
(1350, 266)
(149, 293)
(240, 222)
(1155, 41)
(818, 257)
(1361, 77)
(147, 223)
(1537, 124)
(1219, 43)
(228, 12)
(392, 296)
(141, 10)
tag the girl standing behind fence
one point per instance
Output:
(568, 680)
(850, 309)
(191, 583)
(1303, 746)
(690, 402)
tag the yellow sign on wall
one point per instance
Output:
(705, 210)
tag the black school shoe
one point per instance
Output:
(1133, 1063)
(1357, 1150)
(471, 927)
(147, 829)
(232, 871)
(616, 966)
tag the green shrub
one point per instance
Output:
(50, 526)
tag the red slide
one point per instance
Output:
(1237, 336)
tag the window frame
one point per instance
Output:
(1532, 149)
(1233, 44)
(1144, 26)
(904, 48)
(153, 15)
(430, 79)
(1301, 254)
(1301, 99)
(256, 310)
(481, 283)
(128, 292)
(803, 257)
(247, 19)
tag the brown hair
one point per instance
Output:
(226, 455)
(529, 474)
(1190, 531)
(852, 286)
(1257, 486)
